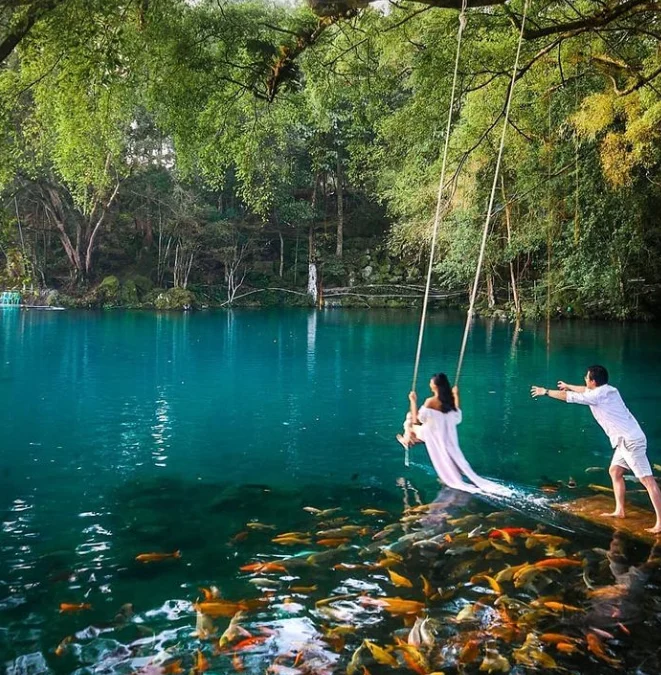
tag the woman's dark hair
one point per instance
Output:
(444, 392)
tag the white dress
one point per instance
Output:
(439, 433)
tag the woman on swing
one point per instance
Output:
(435, 424)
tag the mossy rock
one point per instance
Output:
(107, 292)
(53, 299)
(143, 285)
(129, 294)
(175, 299)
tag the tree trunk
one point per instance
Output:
(491, 298)
(508, 223)
(282, 254)
(340, 208)
(312, 264)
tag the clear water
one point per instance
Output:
(126, 433)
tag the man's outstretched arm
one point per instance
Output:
(576, 388)
(535, 392)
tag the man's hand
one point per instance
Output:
(538, 391)
(563, 386)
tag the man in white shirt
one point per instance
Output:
(623, 431)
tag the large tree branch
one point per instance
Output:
(34, 13)
(588, 22)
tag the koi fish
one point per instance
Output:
(201, 662)
(507, 533)
(173, 668)
(596, 646)
(218, 608)
(567, 648)
(333, 542)
(413, 657)
(156, 557)
(561, 607)
(61, 648)
(600, 488)
(374, 512)
(495, 586)
(558, 563)
(344, 531)
(210, 593)
(427, 588)
(233, 632)
(556, 638)
(346, 567)
(239, 536)
(469, 652)
(74, 607)
(303, 589)
(261, 527)
(538, 539)
(321, 513)
(399, 580)
(503, 548)
(291, 541)
(495, 662)
(395, 606)
(237, 663)
(263, 567)
(289, 535)
(250, 642)
(380, 655)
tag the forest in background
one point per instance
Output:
(171, 153)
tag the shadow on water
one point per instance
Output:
(326, 579)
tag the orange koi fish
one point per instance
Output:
(596, 646)
(558, 562)
(59, 650)
(333, 541)
(173, 668)
(201, 662)
(218, 608)
(263, 567)
(399, 580)
(74, 607)
(250, 642)
(561, 607)
(156, 557)
(505, 532)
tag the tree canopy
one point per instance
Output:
(284, 120)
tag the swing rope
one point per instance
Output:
(439, 203)
(439, 199)
(487, 222)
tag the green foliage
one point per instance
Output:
(228, 131)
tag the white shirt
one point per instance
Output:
(610, 412)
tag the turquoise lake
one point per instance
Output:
(133, 432)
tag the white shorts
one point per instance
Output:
(632, 455)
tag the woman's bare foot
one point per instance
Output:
(654, 530)
(614, 514)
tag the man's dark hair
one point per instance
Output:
(598, 374)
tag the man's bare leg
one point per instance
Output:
(619, 488)
(655, 497)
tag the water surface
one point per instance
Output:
(128, 432)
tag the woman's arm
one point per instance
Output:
(413, 400)
(455, 395)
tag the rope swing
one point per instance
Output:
(439, 204)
